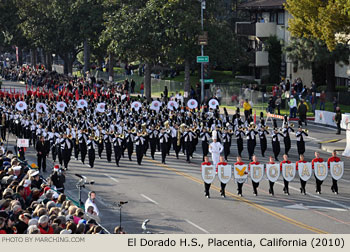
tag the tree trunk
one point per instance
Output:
(20, 56)
(330, 75)
(33, 58)
(187, 87)
(86, 56)
(44, 58)
(147, 81)
(110, 67)
(48, 56)
(68, 64)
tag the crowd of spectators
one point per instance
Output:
(29, 203)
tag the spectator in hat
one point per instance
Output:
(35, 179)
(58, 179)
(44, 226)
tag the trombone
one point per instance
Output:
(306, 130)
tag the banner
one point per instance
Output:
(257, 172)
(208, 173)
(288, 171)
(305, 171)
(336, 169)
(321, 170)
(240, 173)
(272, 172)
(22, 143)
(224, 173)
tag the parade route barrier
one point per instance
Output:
(328, 118)
(270, 117)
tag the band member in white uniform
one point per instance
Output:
(215, 148)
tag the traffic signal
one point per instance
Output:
(206, 71)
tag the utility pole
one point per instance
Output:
(202, 52)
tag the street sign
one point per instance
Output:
(202, 59)
(207, 80)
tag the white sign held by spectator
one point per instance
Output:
(23, 143)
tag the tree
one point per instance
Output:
(136, 32)
(273, 46)
(320, 19)
(311, 54)
(60, 26)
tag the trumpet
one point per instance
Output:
(291, 125)
(96, 138)
(133, 131)
(157, 128)
(121, 136)
(230, 131)
(306, 130)
(70, 136)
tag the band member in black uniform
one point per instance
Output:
(129, 142)
(286, 183)
(176, 140)
(205, 136)
(251, 140)
(75, 141)
(188, 140)
(262, 136)
(91, 146)
(286, 138)
(276, 147)
(239, 135)
(226, 140)
(59, 149)
(163, 140)
(139, 142)
(100, 145)
(82, 145)
(300, 140)
(118, 147)
(108, 144)
(152, 140)
(66, 150)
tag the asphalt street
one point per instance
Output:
(172, 195)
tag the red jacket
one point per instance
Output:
(220, 163)
(332, 159)
(205, 163)
(253, 163)
(284, 162)
(43, 231)
(299, 162)
(315, 160)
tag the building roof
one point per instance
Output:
(262, 4)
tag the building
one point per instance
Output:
(268, 18)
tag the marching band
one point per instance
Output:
(113, 123)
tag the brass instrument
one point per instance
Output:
(178, 137)
(291, 125)
(70, 136)
(230, 131)
(96, 138)
(166, 124)
(121, 136)
(157, 127)
(306, 130)
(100, 139)
(133, 130)
(77, 141)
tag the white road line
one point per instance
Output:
(201, 229)
(319, 197)
(149, 199)
(114, 179)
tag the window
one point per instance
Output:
(280, 18)
(272, 17)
